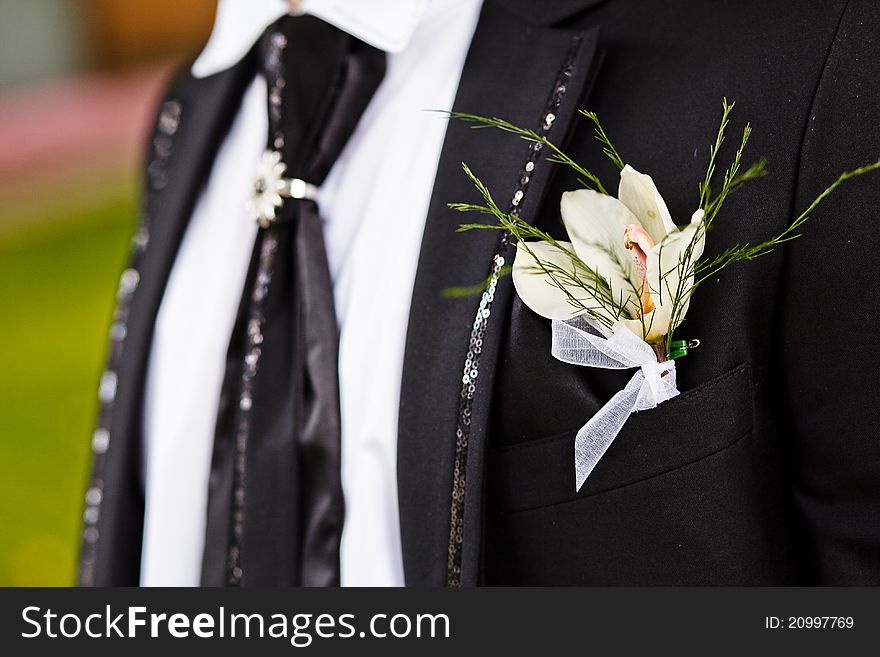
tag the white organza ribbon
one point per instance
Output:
(582, 342)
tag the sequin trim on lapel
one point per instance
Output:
(157, 178)
(471, 368)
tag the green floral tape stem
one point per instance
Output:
(679, 348)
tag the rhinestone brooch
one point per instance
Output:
(271, 188)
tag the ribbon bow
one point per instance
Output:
(583, 342)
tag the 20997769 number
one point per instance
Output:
(809, 623)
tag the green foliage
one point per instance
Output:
(606, 308)
(708, 268)
(607, 147)
(586, 289)
(57, 280)
(586, 178)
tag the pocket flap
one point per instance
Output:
(689, 427)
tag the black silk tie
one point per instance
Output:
(275, 504)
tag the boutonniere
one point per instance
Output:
(621, 284)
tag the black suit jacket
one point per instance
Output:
(766, 469)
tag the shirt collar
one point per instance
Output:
(384, 24)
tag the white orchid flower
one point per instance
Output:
(632, 243)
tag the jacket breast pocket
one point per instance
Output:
(692, 426)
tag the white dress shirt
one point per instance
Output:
(374, 204)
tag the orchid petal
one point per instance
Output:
(596, 224)
(638, 192)
(653, 326)
(673, 259)
(547, 295)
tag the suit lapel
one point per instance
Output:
(193, 119)
(535, 77)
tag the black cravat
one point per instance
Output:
(275, 505)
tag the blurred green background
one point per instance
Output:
(79, 80)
